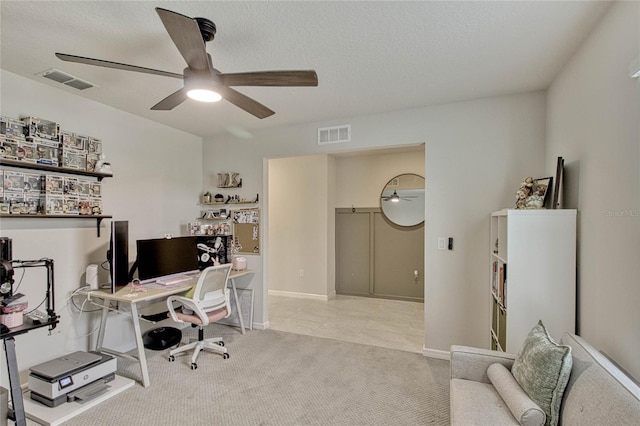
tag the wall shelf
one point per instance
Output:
(222, 203)
(98, 218)
(53, 169)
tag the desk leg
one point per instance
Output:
(142, 357)
(235, 296)
(103, 324)
(14, 382)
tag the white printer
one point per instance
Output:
(79, 375)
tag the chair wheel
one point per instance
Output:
(225, 356)
(221, 343)
(194, 365)
(172, 358)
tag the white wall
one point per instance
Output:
(477, 153)
(593, 117)
(298, 199)
(360, 179)
(157, 179)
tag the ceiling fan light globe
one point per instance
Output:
(204, 95)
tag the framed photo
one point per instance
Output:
(556, 192)
(542, 188)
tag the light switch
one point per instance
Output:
(442, 243)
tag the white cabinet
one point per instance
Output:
(532, 274)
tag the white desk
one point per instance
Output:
(129, 295)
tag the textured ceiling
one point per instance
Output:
(370, 56)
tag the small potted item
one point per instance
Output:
(206, 198)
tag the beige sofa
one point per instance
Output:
(597, 393)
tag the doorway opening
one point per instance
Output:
(303, 195)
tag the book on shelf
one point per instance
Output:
(494, 279)
(504, 287)
(499, 282)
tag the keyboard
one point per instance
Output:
(174, 280)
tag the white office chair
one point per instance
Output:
(208, 302)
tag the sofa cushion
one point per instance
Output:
(475, 403)
(525, 411)
(542, 368)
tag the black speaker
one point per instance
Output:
(5, 254)
(5, 249)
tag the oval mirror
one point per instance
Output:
(402, 200)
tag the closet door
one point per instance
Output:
(398, 260)
(377, 258)
(353, 247)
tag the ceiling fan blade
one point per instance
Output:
(185, 33)
(171, 101)
(271, 78)
(246, 103)
(115, 65)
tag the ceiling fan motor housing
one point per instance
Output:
(207, 28)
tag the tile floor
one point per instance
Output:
(378, 322)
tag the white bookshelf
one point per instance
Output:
(537, 248)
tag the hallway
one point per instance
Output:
(371, 321)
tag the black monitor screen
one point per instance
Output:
(118, 254)
(166, 256)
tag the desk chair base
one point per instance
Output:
(214, 344)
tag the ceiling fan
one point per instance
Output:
(202, 81)
(395, 198)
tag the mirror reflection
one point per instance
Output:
(402, 200)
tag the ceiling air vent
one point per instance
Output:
(394, 182)
(78, 84)
(64, 78)
(337, 134)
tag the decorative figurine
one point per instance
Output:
(530, 195)
(103, 166)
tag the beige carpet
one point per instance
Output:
(277, 378)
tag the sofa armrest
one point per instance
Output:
(471, 363)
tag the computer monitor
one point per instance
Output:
(166, 256)
(118, 254)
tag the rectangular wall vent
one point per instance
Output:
(394, 182)
(64, 78)
(336, 134)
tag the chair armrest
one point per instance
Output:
(471, 363)
(184, 301)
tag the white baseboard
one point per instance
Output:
(261, 325)
(300, 295)
(436, 353)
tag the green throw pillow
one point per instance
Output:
(542, 368)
